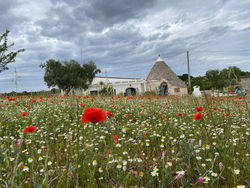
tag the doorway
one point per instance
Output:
(163, 89)
(130, 91)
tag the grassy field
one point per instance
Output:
(145, 141)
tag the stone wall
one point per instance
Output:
(153, 85)
(177, 91)
(245, 83)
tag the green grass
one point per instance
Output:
(64, 151)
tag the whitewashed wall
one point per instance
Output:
(119, 84)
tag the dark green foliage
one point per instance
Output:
(69, 75)
(201, 81)
(228, 77)
(184, 77)
(54, 90)
(106, 91)
(216, 79)
(213, 77)
(5, 57)
(245, 74)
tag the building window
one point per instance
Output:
(95, 92)
(176, 90)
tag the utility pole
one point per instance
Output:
(189, 81)
(81, 55)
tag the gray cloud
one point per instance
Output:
(8, 20)
(69, 20)
(123, 37)
(113, 12)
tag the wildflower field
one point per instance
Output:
(143, 141)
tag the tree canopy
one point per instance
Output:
(6, 57)
(213, 78)
(216, 79)
(68, 75)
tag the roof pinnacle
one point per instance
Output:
(159, 58)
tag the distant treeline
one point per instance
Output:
(213, 79)
(217, 79)
(34, 93)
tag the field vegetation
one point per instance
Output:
(144, 141)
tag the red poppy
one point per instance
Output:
(226, 114)
(109, 152)
(30, 129)
(198, 115)
(94, 115)
(179, 114)
(24, 114)
(33, 101)
(199, 108)
(82, 105)
(116, 138)
(109, 113)
(26, 106)
(142, 106)
(131, 97)
(13, 99)
(126, 115)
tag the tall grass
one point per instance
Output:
(154, 145)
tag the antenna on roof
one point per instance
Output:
(15, 79)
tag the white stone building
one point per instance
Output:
(124, 86)
(161, 80)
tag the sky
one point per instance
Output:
(124, 37)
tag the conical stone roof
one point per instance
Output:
(161, 71)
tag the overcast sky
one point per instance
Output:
(123, 37)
